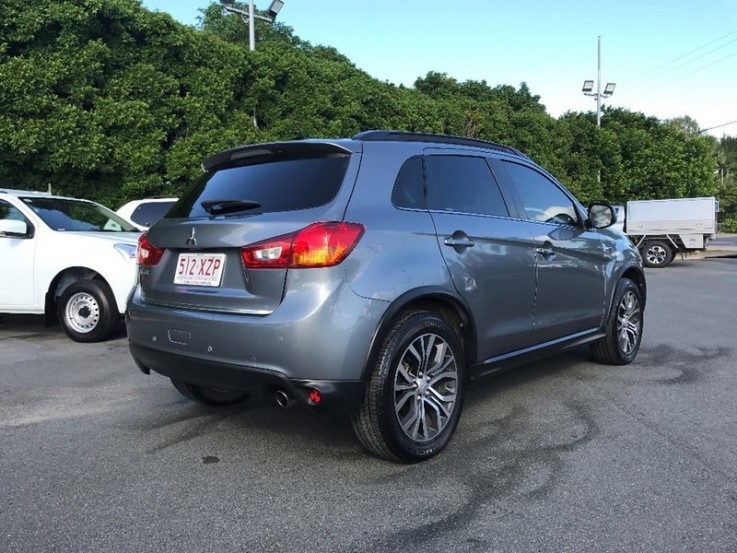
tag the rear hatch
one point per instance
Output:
(248, 195)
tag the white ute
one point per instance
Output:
(66, 257)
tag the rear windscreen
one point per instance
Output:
(285, 184)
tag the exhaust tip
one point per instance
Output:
(283, 398)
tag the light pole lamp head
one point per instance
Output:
(227, 2)
(274, 8)
(588, 86)
(609, 89)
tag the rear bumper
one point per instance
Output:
(311, 341)
(342, 396)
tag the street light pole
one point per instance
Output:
(598, 80)
(588, 86)
(251, 27)
(249, 18)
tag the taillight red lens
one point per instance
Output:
(318, 245)
(147, 253)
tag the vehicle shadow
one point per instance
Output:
(32, 326)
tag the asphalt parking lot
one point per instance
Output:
(557, 456)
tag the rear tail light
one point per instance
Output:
(318, 245)
(147, 253)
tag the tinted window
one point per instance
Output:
(541, 198)
(463, 184)
(409, 190)
(283, 185)
(147, 214)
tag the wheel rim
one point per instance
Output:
(425, 388)
(656, 255)
(82, 312)
(629, 323)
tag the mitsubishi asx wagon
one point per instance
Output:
(377, 277)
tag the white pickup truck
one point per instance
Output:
(661, 228)
(64, 257)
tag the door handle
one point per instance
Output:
(459, 242)
(545, 252)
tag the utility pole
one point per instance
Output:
(249, 18)
(588, 86)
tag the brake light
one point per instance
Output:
(318, 245)
(147, 253)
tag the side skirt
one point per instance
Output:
(508, 360)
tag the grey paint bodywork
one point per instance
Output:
(521, 288)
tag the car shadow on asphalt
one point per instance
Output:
(33, 326)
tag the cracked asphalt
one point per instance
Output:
(561, 455)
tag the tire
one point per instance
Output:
(623, 327)
(87, 311)
(657, 254)
(411, 406)
(208, 396)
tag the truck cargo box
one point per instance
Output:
(678, 216)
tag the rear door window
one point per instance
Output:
(286, 184)
(463, 184)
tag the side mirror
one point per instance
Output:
(13, 228)
(601, 215)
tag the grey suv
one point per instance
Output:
(377, 276)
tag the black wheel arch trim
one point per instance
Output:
(416, 297)
(627, 272)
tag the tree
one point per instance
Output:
(107, 100)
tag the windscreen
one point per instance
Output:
(66, 214)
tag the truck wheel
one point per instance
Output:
(657, 254)
(623, 327)
(208, 396)
(414, 397)
(87, 311)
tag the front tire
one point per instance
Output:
(87, 311)
(623, 328)
(414, 397)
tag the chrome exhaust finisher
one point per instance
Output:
(284, 399)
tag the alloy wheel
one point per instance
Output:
(425, 388)
(629, 322)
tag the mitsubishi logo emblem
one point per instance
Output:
(191, 241)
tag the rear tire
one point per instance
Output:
(208, 396)
(623, 328)
(414, 396)
(87, 311)
(657, 254)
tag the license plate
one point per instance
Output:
(200, 269)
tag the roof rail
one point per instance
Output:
(404, 136)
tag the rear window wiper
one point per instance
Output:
(221, 207)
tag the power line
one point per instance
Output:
(683, 56)
(692, 72)
(717, 126)
(663, 73)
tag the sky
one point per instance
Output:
(668, 58)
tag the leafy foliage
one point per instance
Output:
(107, 100)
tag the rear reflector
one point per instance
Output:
(318, 245)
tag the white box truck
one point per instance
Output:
(662, 228)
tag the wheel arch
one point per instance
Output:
(62, 281)
(450, 307)
(636, 275)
